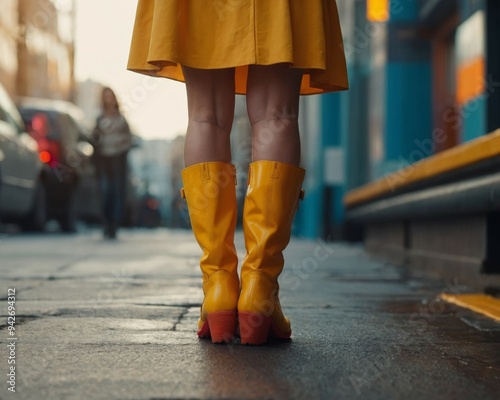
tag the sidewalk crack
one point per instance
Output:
(179, 319)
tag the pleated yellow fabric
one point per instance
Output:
(212, 34)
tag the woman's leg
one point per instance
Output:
(105, 189)
(210, 96)
(209, 190)
(119, 191)
(273, 108)
(274, 189)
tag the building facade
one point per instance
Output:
(424, 77)
(37, 47)
(9, 31)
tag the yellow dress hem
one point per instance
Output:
(207, 35)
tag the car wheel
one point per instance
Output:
(38, 215)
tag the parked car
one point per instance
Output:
(22, 177)
(64, 148)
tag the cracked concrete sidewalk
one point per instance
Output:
(117, 320)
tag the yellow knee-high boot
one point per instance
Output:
(273, 193)
(209, 190)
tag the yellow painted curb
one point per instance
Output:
(480, 303)
(487, 146)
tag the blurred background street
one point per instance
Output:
(402, 193)
(424, 78)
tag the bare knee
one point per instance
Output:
(271, 120)
(273, 110)
(273, 94)
(272, 114)
(210, 121)
(210, 98)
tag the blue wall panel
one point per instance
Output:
(403, 10)
(310, 219)
(409, 108)
(473, 119)
(334, 122)
(310, 216)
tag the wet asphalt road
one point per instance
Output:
(116, 320)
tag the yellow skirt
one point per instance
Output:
(213, 34)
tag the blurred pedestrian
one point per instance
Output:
(272, 51)
(112, 142)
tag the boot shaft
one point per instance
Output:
(209, 190)
(274, 190)
(273, 193)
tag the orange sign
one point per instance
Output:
(377, 10)
(470, 80)
(470, 51)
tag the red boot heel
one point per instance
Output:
(254, 327)
(222, 326)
